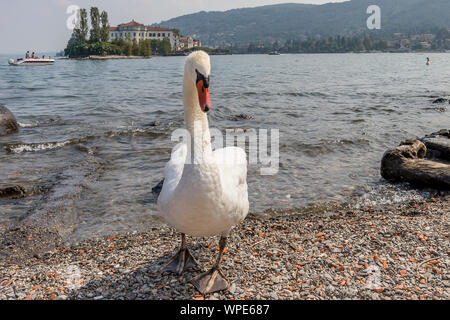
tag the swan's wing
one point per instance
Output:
(173, 172)
(232, 164)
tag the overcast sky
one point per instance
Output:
(40, 25)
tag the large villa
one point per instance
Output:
(137, 31)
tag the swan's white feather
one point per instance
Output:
(232, 165)
(211, 198)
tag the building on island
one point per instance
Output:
(423, 37)
(188, 43)
(405, 43)
(137, 31)
(197, 43)
(425, 44)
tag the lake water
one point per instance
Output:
(95, 135)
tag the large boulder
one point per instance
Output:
(8, 123)
(406, 163)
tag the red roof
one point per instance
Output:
(132, 23)
(112, 29)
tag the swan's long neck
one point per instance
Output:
(200, 174)
(196, 122)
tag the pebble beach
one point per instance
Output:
(396, 251)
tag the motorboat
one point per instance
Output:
(274, 53)
(31, 62)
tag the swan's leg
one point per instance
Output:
(182, 261)
(213, 280)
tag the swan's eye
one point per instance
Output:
(201, 77)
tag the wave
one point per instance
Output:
(437, 109)
(305, 94)
(42, 123)
(156, 130)
(325, 146)
(28, 125)
(43, 146)
(137, 132)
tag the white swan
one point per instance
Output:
(204, 192)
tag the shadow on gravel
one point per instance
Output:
(144, 283)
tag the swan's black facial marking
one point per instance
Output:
(202, 84)
(201, 77)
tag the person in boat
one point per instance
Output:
(33, 56)
(27, 55)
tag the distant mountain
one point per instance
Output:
(299, 21)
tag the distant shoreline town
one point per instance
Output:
(395, 43)
(137, 40)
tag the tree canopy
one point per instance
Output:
(98, 43)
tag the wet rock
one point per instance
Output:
(242, 116)
(438, 144)
(440, 100)
(154, 124)
(8, 123)
(15, 192)
(406, 163)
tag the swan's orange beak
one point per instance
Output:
(203, 96)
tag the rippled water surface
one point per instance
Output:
(95, 135)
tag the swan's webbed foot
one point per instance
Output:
(212, 281)
(181, 262)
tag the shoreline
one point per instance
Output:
(320, 255)
(93, 57)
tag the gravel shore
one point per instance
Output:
(398, 251)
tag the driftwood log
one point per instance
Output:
(438, 144)
(406, 163)
(8, 123)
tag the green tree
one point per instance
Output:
(145, 48)
(135, 48)
(100, 48)
(128, 48)
(104, 31)
(382, 45)
(81, 29)
(95, 25)
(98, 44)
(155, 46)
(368, 43)
(166, 47)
